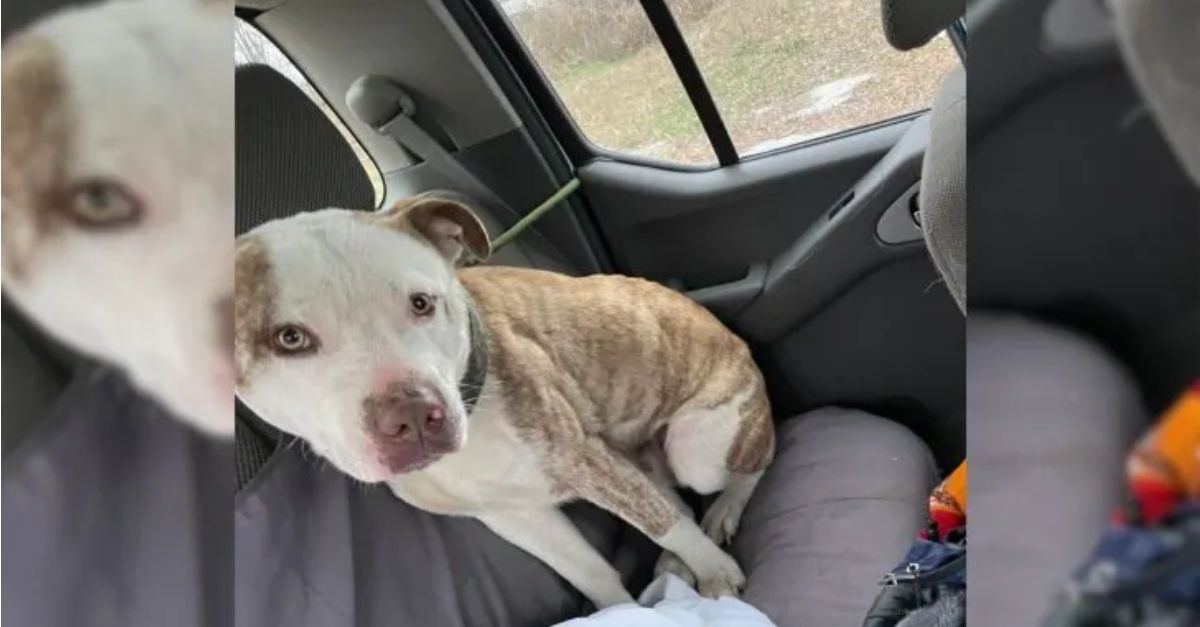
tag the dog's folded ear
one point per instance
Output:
(447, 222)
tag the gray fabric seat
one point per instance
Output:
(1052, 418)
(113, 514)
(843, 500)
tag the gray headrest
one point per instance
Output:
(290, 157)
(1160, 41)
(943, 196)
(909, 24)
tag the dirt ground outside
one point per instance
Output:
(781, 71)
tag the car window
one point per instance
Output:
(786, 71)
(252, 46)
(606, 65)
(781, 71)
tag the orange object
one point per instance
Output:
(948, 502)
(1164, 467)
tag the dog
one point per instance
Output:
(501, 393)
(117, 193)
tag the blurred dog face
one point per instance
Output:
(118, 193)
(353, 332)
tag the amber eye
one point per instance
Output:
(422, 304)
(292, 339)
(101, 203)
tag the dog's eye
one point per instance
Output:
(103, 204)
(292, 339)
(422, 304)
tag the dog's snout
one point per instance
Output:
(407, 418)
(409, 425)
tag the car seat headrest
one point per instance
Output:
(1159, 43)
(290, 157)
(909, 24)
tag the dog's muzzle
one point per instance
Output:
(409, 426)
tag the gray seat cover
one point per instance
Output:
(114, 513)
(319, 549)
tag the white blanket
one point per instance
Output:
(669, 602)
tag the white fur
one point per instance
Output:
(360, 313)
(696, 438)
(150, 92)
(547, 534)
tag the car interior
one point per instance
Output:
(813, 253)
(840, 258)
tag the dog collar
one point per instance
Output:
(471, 384)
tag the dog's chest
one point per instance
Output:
(494, 470)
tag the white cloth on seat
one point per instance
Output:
(669, 602)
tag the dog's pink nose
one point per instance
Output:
(407, 419)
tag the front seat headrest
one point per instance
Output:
(290, 157)
(1160, 42)
(909, 24)
(943, 195)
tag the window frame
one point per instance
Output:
(499, 29)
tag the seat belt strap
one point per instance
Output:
(383, 104)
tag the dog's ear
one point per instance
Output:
(447, 223)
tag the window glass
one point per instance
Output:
(781, 71)
(785, 71)
(609, 69)
(251, 46)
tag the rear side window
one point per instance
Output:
(606, 64)
(781, 72)
(251, 46)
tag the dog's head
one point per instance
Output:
(353, 331)
(118, 193)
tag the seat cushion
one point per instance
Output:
(1052, 417)
(842, 502)
(838, 507)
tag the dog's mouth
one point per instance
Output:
(397, 457)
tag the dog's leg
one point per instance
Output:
(613, 482)
(723, 448)
(653, 460)
(721, 520)
(547, 534)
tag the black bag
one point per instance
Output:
(927, 588)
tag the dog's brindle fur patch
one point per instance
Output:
(37, 131)
(254, 306)
(624, 356)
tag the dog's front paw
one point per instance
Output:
(726, 579)
(669, 562)
(720, 522)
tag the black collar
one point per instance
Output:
(471, 384)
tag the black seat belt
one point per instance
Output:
(383, 105)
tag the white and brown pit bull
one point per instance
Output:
(500, 393)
